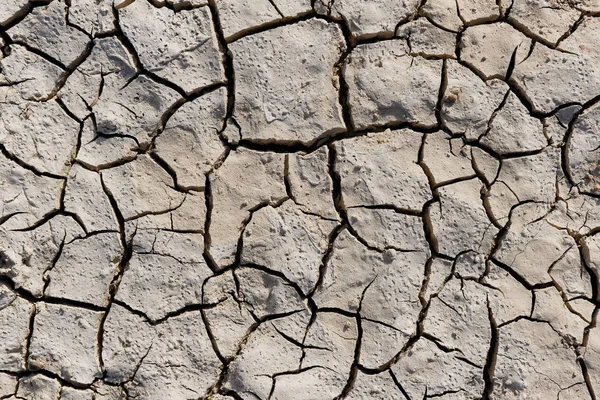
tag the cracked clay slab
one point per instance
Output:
(299, 200)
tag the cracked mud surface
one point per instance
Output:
(276, 199)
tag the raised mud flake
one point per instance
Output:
(239, 15)
(46, 30)
(459, 221)
(165, 278)
(286, 240)
(247, 180)
(524, 179)
(64, 342)
(141, 187)
(34, 77)
(88, 262)
(14, 320)
(180, 362)
(533, 358)
(489, 48)
(426, 369)
(513, 130)
(85, 197)
(93, 16)
(180, 47)
(190, 142)
(38, 387)
(531, 245)
(547, 20)
(583, 150)
(382, 169)
(574, 72)
(39, 133)
(311, 184)
(369, 18)
(386, 229)
(28, 254)
(281, 97)
(470, 102)
(26, 196)
(387, 85)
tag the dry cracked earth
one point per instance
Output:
(294, 199)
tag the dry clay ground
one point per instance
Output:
(279, 199)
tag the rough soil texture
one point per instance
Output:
(299, 200)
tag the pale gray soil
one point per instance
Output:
(299, 200)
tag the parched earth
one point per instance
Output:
(295, 199)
